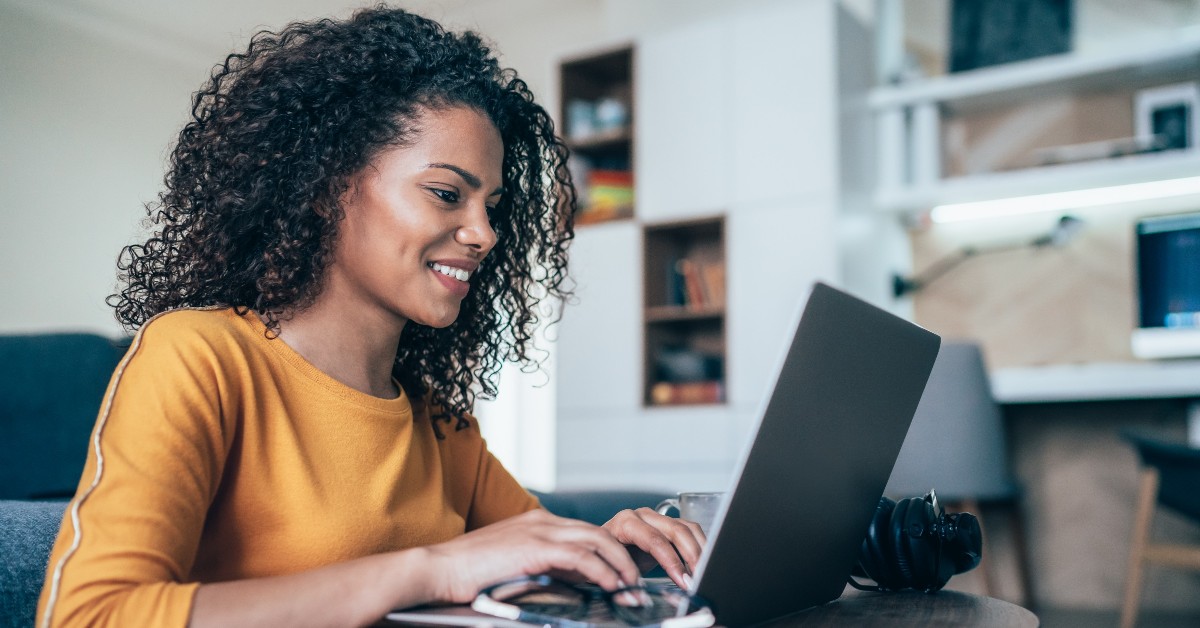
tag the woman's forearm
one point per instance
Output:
(354, 593)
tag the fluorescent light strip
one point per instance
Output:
(1059, 201)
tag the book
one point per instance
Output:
(608, 195)
(690, 271)
(695, 284)
(713, 274)
(681, 393)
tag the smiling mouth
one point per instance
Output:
(450, 271)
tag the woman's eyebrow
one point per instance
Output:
(466, 175)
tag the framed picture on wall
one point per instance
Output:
(1167, 117)
(991, 32)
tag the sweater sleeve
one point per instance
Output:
(129, 536)
(495, 493)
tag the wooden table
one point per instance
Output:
(911, 608)
(855, 608)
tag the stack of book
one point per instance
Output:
(683, 393)
(686, 376)
(696, 284)
(608, 196)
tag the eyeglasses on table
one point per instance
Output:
(547, 601)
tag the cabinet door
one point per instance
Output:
(682, 153)
(774, 256)
(782, 91)
(599, 337)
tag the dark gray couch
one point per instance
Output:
(50, 391)
(51, 387)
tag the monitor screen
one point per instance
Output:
(1168, 271)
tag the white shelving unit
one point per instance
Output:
(719, 132)
(909, 119)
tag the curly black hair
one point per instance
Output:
(250, 209)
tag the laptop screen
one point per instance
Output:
(789, 532)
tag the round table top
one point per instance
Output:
(913, 608)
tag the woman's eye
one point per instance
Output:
(447, 196)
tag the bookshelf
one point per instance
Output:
(911, 123)
(684, 315)
(597, 115)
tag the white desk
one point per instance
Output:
(1168, 379)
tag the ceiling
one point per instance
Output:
(203, 30)
(207, 29)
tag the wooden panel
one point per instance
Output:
(1030, 307)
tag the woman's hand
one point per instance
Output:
(532, 543)
(653, 538)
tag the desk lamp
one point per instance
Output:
(1063, 232)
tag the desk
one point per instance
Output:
(1080, 477)
(854, 608)
(1099, 381)
(910, 608)
(1106, 381)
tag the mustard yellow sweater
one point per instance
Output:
(219, 455)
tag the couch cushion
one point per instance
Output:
(27, 530)
(597, 506)
(51, 386)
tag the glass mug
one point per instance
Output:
(698, 507)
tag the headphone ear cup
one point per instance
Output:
(874, 559)
(923, 545)
(965, 548)
(898, 536)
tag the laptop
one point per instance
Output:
(790, 529)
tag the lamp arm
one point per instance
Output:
(1063, 231)
(904, 285)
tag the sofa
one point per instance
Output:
(50, 392)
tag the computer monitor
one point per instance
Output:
(1168, 287)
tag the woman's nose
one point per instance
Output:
(477, 233)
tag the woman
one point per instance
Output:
(357, 227)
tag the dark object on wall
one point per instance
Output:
(914, 544)
(991, 32)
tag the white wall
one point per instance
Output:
(84, 125)
(92, 93)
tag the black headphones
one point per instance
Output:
(914, 544)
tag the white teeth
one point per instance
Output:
(449, 271)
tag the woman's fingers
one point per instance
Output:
(532, 543)
(687, 536)
(674, 543)
(604, 547)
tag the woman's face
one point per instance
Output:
(416, 221)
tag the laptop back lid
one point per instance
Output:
(790, 530)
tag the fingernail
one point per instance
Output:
(626, 597)
(687, 581)
(629, 599)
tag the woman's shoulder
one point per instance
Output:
(196, 330)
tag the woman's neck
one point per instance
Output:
(348, 344)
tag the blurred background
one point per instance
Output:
(986, 168)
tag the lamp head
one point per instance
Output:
(1064, 231)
